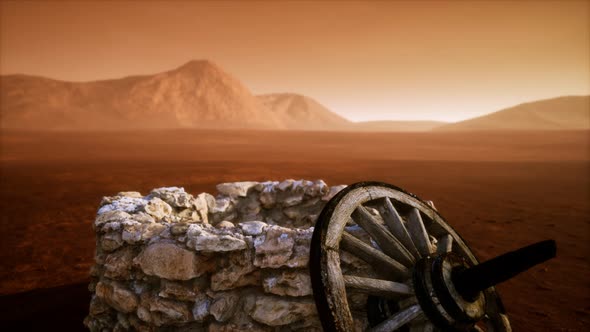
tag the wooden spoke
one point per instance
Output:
(408, 302)
(445, 244)
(377, 287)
(373, 256)
(398, 320)
(422, 327)
(477, 329)
(386, 241)
(418, 232)
(396, 225)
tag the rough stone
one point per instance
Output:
(204, 204)
(268, 199)
(163, 311)
(235, 270)
(222, 204)
(300, 253)
(253, 227)
(288, 282)
(224, 305)
(225, 224)
(118, 264)
(293, 213)
(201, 307)
(160, 265)
(123, 322)
(205, 201)
(111, 241)
(317, 189)
(131, 232)
(116, 296)
(208, 240)
(97, 306)
(132, 194)
(293, 200)
(189, 215)
(157, 208)
(124, 204)
(179, 228)
(229, 327)
(274, 248)
(235, 189)
(174, 196)
(142, 218)
(177, 290)
(284, 185)
(110, 216)
(278, 311)
(151, 230)
(169, 261)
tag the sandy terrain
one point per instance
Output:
(566, 112)
(500, 191)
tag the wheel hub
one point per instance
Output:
(439, 298)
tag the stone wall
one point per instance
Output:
(235, 262)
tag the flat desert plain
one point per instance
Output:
(499, 190)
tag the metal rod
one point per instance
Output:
(471, 281)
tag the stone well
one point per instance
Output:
(234, 262)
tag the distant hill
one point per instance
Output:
(197, 94)
(301, 112)
(397, 125)
(200, 94)
(562, 113)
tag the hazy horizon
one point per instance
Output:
(441, 61)
(293, 92)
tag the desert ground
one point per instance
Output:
(499, 190)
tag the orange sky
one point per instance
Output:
(363, 60)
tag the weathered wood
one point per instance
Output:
(342, 214)
(407, 302)
(378, 287)
(373, 256)
(396, 225)
(386, 241)
(439, 224)
(445, 244)
(422, 327)
(335, 238)
(431, 204)
(398, 320)
(336, 286)
(418, 232)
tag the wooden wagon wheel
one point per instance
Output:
(411, 270)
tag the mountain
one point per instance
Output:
(398, 125)
(197, 94)
(301, 112)
(562, 113)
